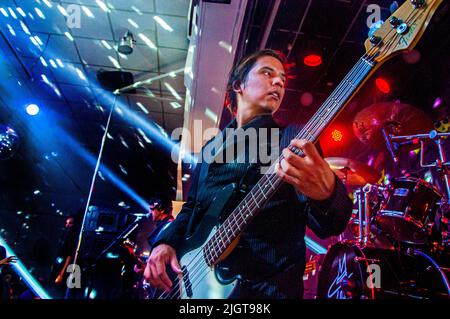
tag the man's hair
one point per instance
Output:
(239, 74)
(162, 202)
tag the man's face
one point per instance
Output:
(70, 222)
(265, 85)
(156, 213)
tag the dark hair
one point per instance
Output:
(239, 73)
(162, 202)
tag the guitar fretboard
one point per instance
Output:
(269, 183)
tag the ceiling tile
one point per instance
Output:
(141, 5)
(172, 121)
(152, 105)
(60, 47)
(175, 39)
(71, 74)
(174, 7)
(171, 59)
(143, 58)
(145, 23)
(97, 28)
(94, 52)
(76, 92)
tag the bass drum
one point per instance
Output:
(352, 272)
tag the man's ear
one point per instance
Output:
(237, 86)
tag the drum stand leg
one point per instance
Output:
(360, 218)
(366, 217)
(364, 214)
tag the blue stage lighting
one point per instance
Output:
(32, 109)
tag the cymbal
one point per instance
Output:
(352, 172)
(396, 118)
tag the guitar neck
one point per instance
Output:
(266, 187)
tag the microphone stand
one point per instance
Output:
(122, 235)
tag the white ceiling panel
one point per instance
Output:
(36, 68)
(23, 45)
(94, 52)
(60, 47)
(175, 39)
(142, 5)
(174, 7)
(171, 59)
(143, 58)
(122, 21)
(151, 105)
(71, 74)
(97, 28)
(168, 108)
(53, 21)
(142, 76)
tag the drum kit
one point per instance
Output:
(397, 243)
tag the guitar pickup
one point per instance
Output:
(187, 282)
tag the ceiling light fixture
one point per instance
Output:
(126, 44)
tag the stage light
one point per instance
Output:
(32, 109)
(437, 102)
(306, 99)
(383, 85)
(126, 44)
(312, 60)
(336, 135)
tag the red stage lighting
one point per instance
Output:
(383, 85)
(312, 60)
(337, 135)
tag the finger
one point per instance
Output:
(290, 170)
(293, 158)
(161, 272)
(308, 149)
(287, 178)
(155, 280)
(175, 265)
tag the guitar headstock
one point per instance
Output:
(402, 30)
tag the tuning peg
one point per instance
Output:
(418, 3)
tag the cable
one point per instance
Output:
(91, 190)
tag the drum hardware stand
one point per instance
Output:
(363, 199)
(442, 167)
(442, 164)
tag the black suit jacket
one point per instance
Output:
(275, 238)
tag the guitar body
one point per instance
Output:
(206, 285)
(214, 282)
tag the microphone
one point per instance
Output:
(389, 145)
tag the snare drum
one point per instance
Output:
(409, 209)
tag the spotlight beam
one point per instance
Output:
(22, 271)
